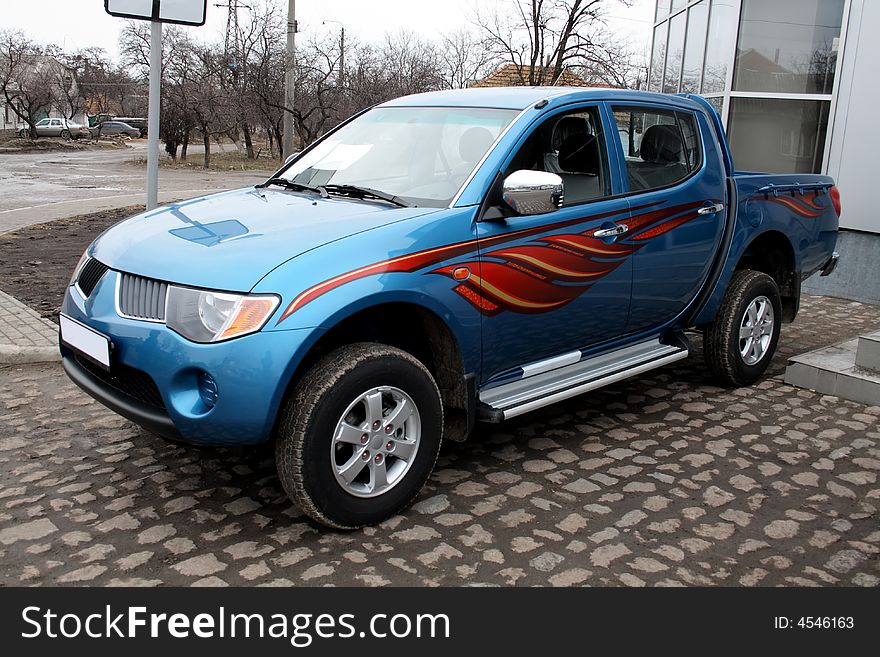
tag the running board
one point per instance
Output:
(545, 387)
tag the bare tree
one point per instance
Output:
(465, 58)
(544, 38)
(26, 78)
(101, 88)
(615, 64)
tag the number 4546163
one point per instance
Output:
(814, 622)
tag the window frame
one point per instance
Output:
(623, 170)
(610, 154)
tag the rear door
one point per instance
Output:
(546, 286)
(671, 165)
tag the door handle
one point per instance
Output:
(711, 209)
(614, 231)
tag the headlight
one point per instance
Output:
(205, 316)
(78, 269)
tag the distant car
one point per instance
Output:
(57, 128)
(135, 122)
(115, 128)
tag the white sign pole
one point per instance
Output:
(153, 115)
(181, 12)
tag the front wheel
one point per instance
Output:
(24, 132)
(65, 134)
(740, 343)
(359, 436)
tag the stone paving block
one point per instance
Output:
(25, 337)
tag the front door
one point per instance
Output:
(672, 166)
(546, 286)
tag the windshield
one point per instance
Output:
(422, 155)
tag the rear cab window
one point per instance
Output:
(660, 147)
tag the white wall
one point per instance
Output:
(855, 137)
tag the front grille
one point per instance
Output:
(142, 298)
(132, 383)
(90, 275)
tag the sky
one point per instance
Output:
(76, 24)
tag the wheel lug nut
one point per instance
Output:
(376, 425)
(366, 455)
(389, 429)
(389, 446)
(378, 458)
(364, 439)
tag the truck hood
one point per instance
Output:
(229, 241)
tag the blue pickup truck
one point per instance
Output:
(438, 260)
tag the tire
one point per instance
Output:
(65, 134)
(340, 388)
(723, 341)
(23, 133)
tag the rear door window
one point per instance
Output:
(660, 147)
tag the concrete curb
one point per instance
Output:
(15, 355)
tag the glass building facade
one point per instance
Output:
(768, 66)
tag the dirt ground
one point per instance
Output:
(14, 145)
(220, 161)
(36, 262)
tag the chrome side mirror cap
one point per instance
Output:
(533, 192)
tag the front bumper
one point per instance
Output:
(157, 377)
(149, 417)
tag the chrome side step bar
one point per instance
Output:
(548, 387)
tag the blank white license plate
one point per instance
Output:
(91, 343)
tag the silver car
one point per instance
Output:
(115, 128)
(57, 128)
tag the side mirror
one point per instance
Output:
(290, 158)
(533, 192)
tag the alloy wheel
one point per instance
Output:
(375, 441)
(756, 330)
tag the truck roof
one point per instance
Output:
(519, 98)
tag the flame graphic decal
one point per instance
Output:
(801, 204)
(553, 271)
(535, 277)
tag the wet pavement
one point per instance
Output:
(40, 187)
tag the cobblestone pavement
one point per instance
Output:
(663, 480)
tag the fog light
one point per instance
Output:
(208, 389)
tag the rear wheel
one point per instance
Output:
(359, 436)
(24, 132)
(740, 343)
(65, 134)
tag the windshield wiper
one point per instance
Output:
(355, 191)
(295, 186)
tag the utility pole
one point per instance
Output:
(290, 80)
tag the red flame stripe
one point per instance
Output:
(795, 206)
(665, 227)
(422, 259)
(558, 264)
